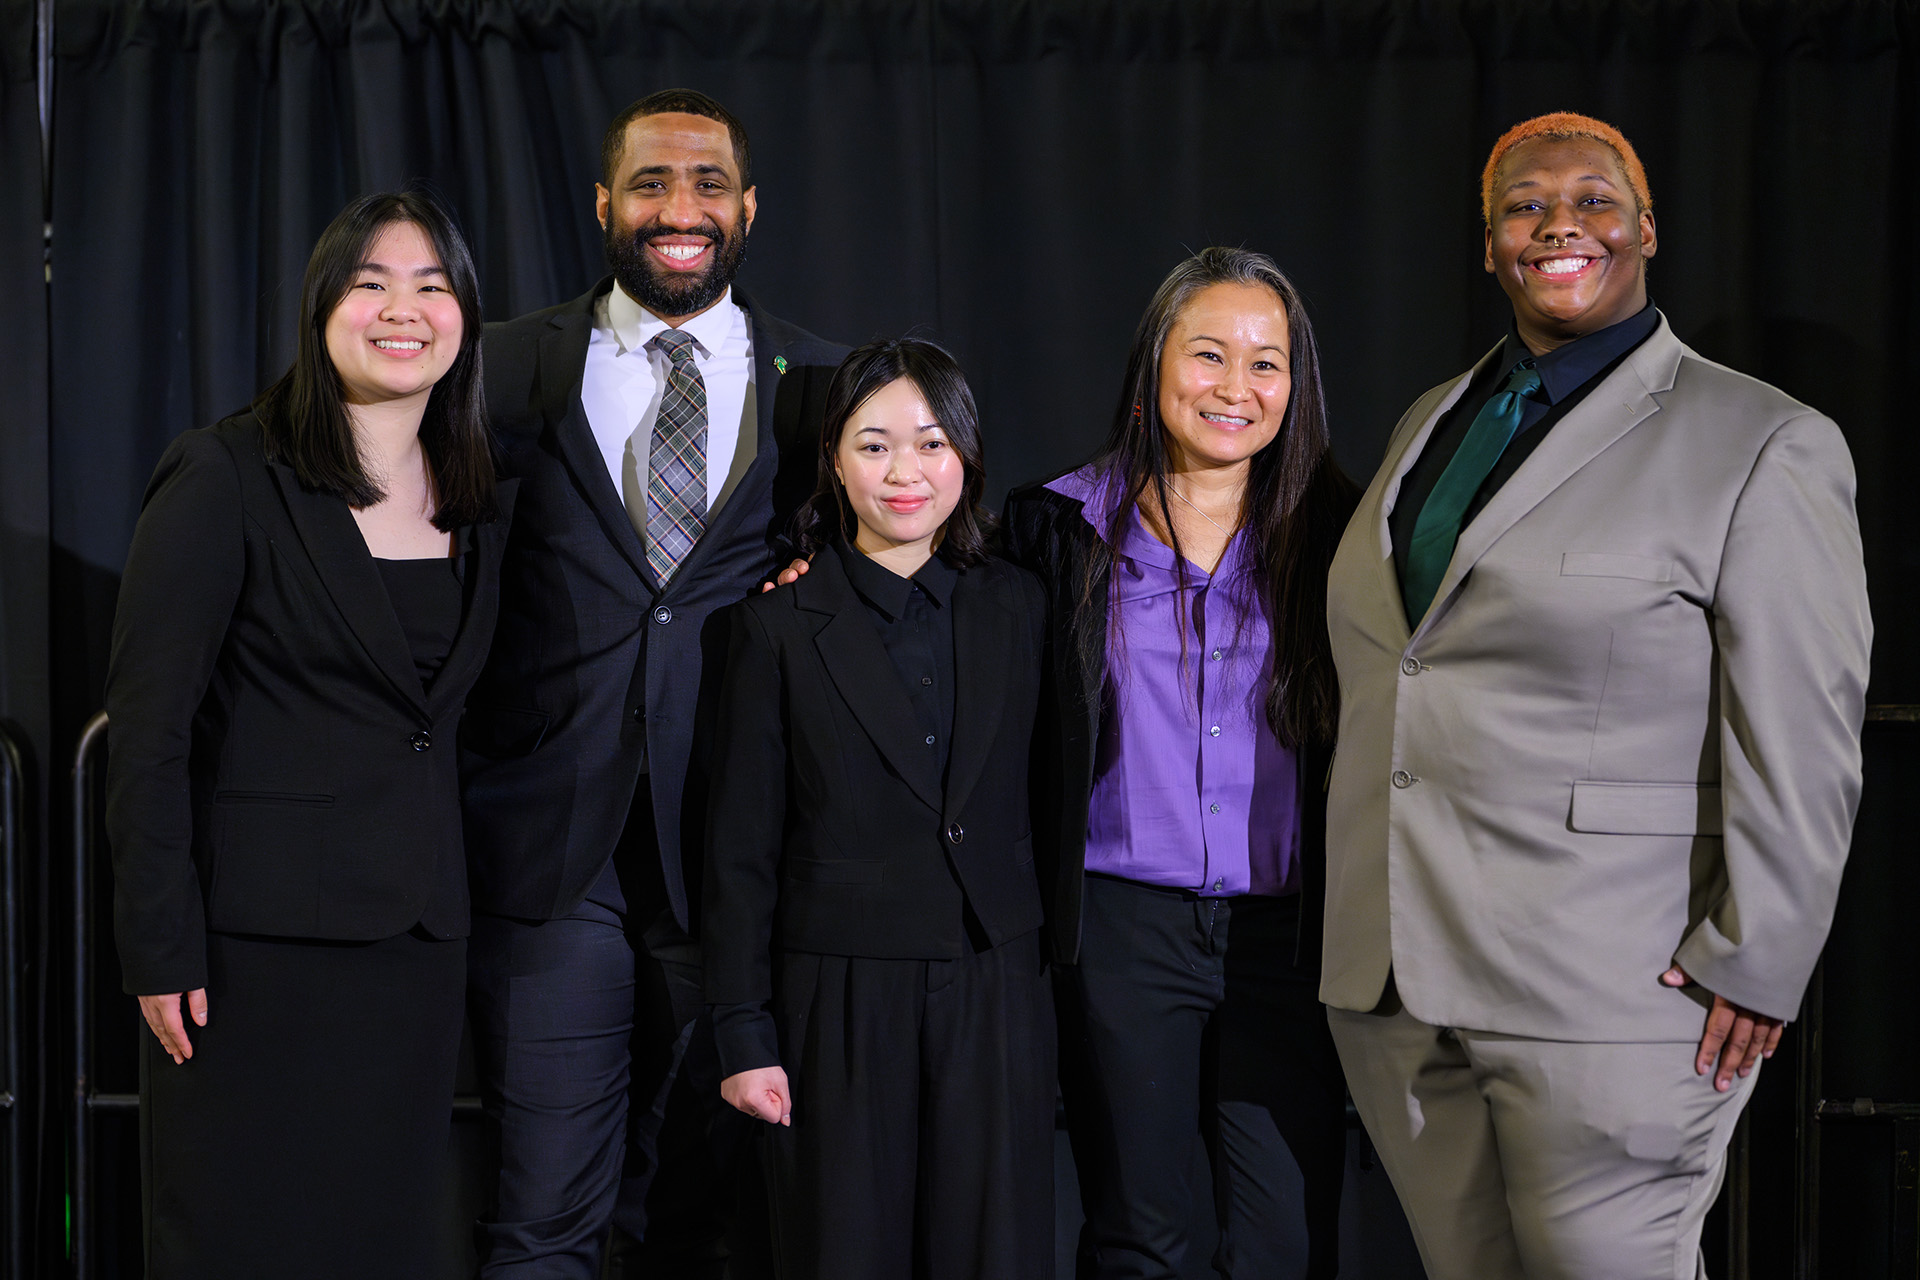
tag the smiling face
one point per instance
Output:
(398, 327)
(901, 475)
(1225, 377)
(1567, 241)
(675, 218)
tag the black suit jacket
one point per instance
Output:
(831, 829)
(597, 666)
(275, 765)
(1049, 534)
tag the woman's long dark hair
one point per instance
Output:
(304, 414)
(866, 370)
(1296, 504)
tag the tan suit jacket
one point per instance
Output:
(1627, 732)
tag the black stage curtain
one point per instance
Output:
(1012, 177)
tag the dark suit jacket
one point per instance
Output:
(829, 815)
(275, 765)
(597, 666)
(1049, 534)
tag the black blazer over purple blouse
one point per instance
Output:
(275, 765)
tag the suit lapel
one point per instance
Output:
(476, 626)
(563, 364)
(339, 556)
(1621, 402)
(858, 665)
(982, 639)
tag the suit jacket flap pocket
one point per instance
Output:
(1646, 808)
(838, 871)
(1588, 564)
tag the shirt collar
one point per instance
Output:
(1564, 370)
(634, 326)
(887, 591)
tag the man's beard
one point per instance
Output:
(665, 292)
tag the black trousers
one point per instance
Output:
(1184, 1015)
(922, 1138)
(600, 1074)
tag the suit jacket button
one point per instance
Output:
(640, 715)
(1410, 665)
(663, 615)
(421, 740)
(1403, 779)
(955, 832)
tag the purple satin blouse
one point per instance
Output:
(1191, 789)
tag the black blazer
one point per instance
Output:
(275, 766)
(831, 830)
(1049, 534)
(598, 667)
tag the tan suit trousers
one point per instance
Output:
(1522, 1159)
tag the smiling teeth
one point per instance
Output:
(399, 344)
(684, 252)
(1221, 417)
(1562, 266)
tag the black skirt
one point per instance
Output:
(308, 1134)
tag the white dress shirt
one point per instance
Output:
(625, 380)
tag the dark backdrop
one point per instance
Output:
(1011, 177)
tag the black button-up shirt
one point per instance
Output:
(1566, 375)
(914, 617)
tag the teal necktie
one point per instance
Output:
(1438, 526)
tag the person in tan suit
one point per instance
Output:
(1602, 634)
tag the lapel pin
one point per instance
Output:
(780, 364)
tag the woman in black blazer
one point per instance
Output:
(309, 594)
(1185, 735)
(871, 913)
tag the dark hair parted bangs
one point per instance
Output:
(1296, 505)
(826, 515)
(304, 414)
(613, 143)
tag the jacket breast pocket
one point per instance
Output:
(837, 871)
(1591, 564)
(1646, 808)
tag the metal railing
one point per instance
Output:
(13, 821)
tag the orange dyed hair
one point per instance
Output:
(1560, 126)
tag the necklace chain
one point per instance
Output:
(1225, 532)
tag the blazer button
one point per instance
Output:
(640, 715)
(662, 615)
(421, 740)
(1403, 779)
(1410, 665)
(955, 832)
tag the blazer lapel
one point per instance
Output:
(563, 364)
(1616, 406)
(858, 665)
(475, 636)
(339, 556)
(982, 637)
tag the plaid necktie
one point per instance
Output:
(677, 459)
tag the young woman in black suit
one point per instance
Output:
(871, 912)
(310, 592)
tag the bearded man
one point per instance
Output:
(1602, 633)
(663, 427)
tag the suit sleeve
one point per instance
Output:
(745, 823)
(177, 596)
(1793, 632)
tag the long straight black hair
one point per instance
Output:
(304, 414)
(867, 369)
(1296, 504)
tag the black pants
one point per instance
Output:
(922, 1137)
(1167, 1030)
(600, 1073)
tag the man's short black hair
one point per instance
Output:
(687, 102)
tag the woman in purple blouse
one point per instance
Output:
(1188, 718)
